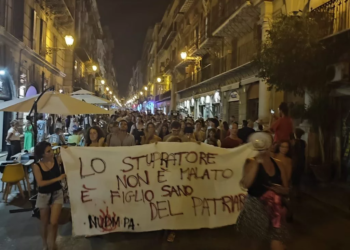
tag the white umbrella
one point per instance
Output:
(91, 99)
(52, 103)
(82, 92)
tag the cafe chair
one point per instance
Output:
(13, 174)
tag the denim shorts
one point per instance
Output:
(45, 200)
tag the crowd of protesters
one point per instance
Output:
(275, 168)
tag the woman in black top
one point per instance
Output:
(266, 181)
(50, 197)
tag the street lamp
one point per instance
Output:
(94, 67)
(183, 55)
(159, 79)
(61, 91)
(110, 92)
(69, 40)
(141, 93)
(107, 89)
(146, 88)
(2, 72)
(103, 81)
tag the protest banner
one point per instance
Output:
(154, 187)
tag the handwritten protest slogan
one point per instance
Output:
(154, 187)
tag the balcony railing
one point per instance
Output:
(245, 54)
(223, 10)
(62, 10)
(168, 37)
(334, 16)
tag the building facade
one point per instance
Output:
(93, 61)
(200, 58)
(35, 53)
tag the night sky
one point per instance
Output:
(128, 21)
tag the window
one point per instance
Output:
(18, 20)
(42, 41)
(54, 52)
(34, 27)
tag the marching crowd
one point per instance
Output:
(278, 165)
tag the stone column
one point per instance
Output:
(265, 103)
(242, 104)
(224, 95)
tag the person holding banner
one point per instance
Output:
(94, 137)
(50, 197)
(263, 215)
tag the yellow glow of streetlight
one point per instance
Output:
(69, 40)
(146, 88)
(159, 79)
(94, 67)
(141, 93)
(103, 81)
(110, 92)
(183, 55)
(107, 89)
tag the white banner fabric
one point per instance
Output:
(154, 187)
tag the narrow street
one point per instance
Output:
(316, 226)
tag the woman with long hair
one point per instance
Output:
(28, 135)
(94, 137)
(164, 131)
(212, 138)
(265, 178)
(199, 134)
(283, 153)
(150, 135)
(50, 196)
(13, 140)
(225, 130)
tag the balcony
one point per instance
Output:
(169, 67)
(205, 40)
(168, 37)
(62, 12)
(182, 8)
(234, 18)
(162, 97)
(221, 66)
(334, 15)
